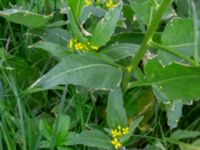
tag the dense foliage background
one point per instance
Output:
(99, 74)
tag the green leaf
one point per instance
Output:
(1, 91)
(174, 114)
(106, 27)
(85, 69)
(45, 129)
(94, 138)
(182, 8)
(55, 49)
(76, 7)
(184, 134)
(75, 28)
(142, 10)
(178, 36)
(185, 146)
(63, 127)
(141, 103)
(172, 82)
(196, 142)
(116, 114)
(90, 10)
(120, 51)
(25, 18)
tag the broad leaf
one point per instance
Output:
(178, 35)
(106, 26)
(116, 114)
(55, 49)
(120, 51)
(94, 138)
(172, 82)
(25, 18)
(85, 69)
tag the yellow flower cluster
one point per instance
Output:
(116, 134)
(110, 4)
(88, 2)
(79, 46)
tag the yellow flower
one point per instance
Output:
(125, 130)
(79, 46)
(71, 43)
(94, 47)
(110, 4)
(88, 2)
(129, 69)
(116, 143)
(116, 133)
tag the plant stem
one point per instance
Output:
(170, 50)
(155, 4)
(196, 33)
(150, 32)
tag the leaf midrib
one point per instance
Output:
(79, 68)
(166, 80)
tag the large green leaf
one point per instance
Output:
(25, 17)
(84, 69)
(94, 138)
(116, 114)
(120, 51)
(178, 35)
(172, 82)
(106, 26)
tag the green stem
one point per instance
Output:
(155, 4)
(170, 50)
(150, 32)
(196, 34)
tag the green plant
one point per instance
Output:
(106, 74)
